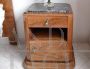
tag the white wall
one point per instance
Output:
(2, 17)
(81, 17)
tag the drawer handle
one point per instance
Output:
(46, 22)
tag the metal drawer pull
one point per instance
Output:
(46, 22)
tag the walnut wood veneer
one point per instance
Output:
(46, 46)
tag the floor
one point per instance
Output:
(11, 57)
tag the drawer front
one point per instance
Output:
(48, 21)
(42, 51)
(58, 21)
(36, 21)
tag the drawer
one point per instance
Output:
(58, 21)
(48, 21)
(45, 51)
(36, 21)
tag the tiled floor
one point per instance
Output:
(11, 57)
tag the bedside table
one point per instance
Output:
(48, 34)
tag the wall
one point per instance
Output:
(81, 20)
(80, 8)
(89, 23)
(2, 14)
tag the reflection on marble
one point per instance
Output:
(11, 57)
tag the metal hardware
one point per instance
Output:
(46, 22)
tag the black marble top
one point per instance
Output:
(58, 8)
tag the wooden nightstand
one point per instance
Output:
(48, 34)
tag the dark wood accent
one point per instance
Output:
(9, 27)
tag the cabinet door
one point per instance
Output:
(9, 28)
